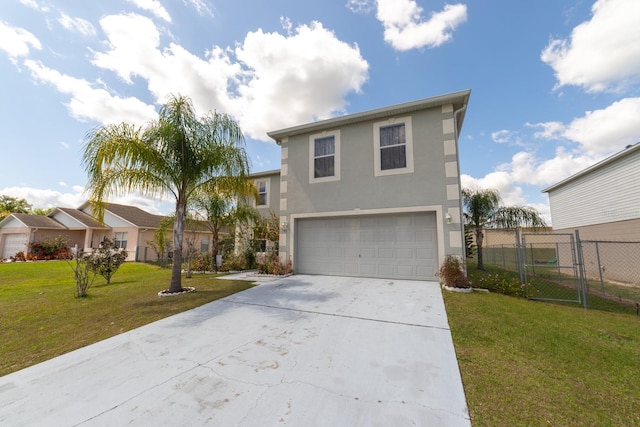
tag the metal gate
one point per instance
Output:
(551, 267)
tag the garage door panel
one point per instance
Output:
(388, 246)
(386, 253)
(403, 253)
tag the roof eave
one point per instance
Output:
(460, 98)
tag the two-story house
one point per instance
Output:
(372, 194)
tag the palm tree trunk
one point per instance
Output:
(214, 251)
(178, 237)
(479, 238)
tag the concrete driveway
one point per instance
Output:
(298, 351)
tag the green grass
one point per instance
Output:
(40, 318)
(529, 363)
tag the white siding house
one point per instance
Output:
(602, 201)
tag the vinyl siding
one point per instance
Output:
(606, 195)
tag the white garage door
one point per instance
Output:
(14, 243)
(401, 246)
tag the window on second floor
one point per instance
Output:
(324, 157)
(393, 145)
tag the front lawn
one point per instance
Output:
(533, 363)
(40, 318)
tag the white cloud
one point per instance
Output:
(306, 73)
(92, 103)
(17, 41)
(599, 132)
(63, 145)
(607, 130)
(200, 6)
(39, 198)
(35, 5)
(405, 27)
(361, 6)
(550, 130)
(501, 136)
(154, 7)
(79, 25)
(76, 196)
(603, 53)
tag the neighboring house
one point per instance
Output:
(131, 228)
(373, 194)
(18, 230)
(601, 201)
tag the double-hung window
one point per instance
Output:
(393, 145)
(324, 157)
(204, 244)
(263, 192)
(120, 240)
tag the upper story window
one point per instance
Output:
(393, 145)
(263, 190)
(324, 157)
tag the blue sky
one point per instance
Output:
(555, 83)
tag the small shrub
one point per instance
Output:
(202, 261)
(273, 265)
(19, 256)
(56, 248)
(82, 273)
(233, 263)
(503, 283)
(106, 259)
(452, 274)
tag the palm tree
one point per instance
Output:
(176, 155)
(482, 209)
(220, 210)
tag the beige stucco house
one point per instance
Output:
(130, 227)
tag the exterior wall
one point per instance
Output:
(433, 186)
(273, 193)
(608, 194)
(613, 231)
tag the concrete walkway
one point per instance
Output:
(297, 351)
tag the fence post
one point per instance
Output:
(581, 269)
(599, 268)
(519, 256)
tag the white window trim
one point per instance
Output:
(408, 132)
(266, 189)
(336, 162)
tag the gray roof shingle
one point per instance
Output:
(135, 216)
(83, 218)
(38, 221)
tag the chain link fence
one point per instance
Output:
(562, 266)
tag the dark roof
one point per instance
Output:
(38, 221)
(135, 216)
(83, 218)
